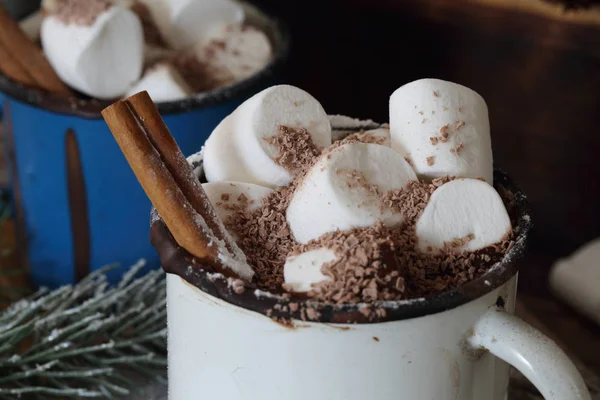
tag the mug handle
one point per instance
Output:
(531, 352)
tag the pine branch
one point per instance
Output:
(91, 340)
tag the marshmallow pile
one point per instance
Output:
(108, 49)
(437, 129)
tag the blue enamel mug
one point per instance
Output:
(78, 205)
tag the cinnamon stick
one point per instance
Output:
(176, 163)
(169, 181)
(23, 61)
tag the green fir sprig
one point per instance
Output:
(90, 340)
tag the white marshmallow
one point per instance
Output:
(185, 23)
(102, 60)
(460, 208)
(300, 272)
(223, 195)
(256, 120)
(242, 50)
(222, 160)
(327, 199)
(163, 83)
(421, 109)
(380, 136)
(576, 280)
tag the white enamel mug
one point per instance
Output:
(457, 345)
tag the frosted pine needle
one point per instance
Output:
(90, 340)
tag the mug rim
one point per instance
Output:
(178, 261)
(276, 30)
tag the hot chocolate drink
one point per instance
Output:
(391, 212)
(363, 262)
(344, 231)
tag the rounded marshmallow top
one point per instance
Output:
(185, 23)
(241, 50)
(102, 60)
(163, 83)
(227, 196)
(244, 139)
(443, 127)
(343, 190)
(465, 210)
(222, 161)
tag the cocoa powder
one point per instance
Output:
(265, 237)
(79, 12)
(295, 147)
(374, 263)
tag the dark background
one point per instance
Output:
(539, 73)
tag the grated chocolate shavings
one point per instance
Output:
(458, 243)
(430, 160)
(83, 13)
(363, 137)
(459, 124)
(457, 148)
(296, 149)
(355, 179)
(436, 94)
(409, 160)
(444, 130)
(433, 140)
(374, 263)
(265, 237)
(365, 268)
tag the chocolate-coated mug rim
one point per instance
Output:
(91, 108)
(177, 260)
